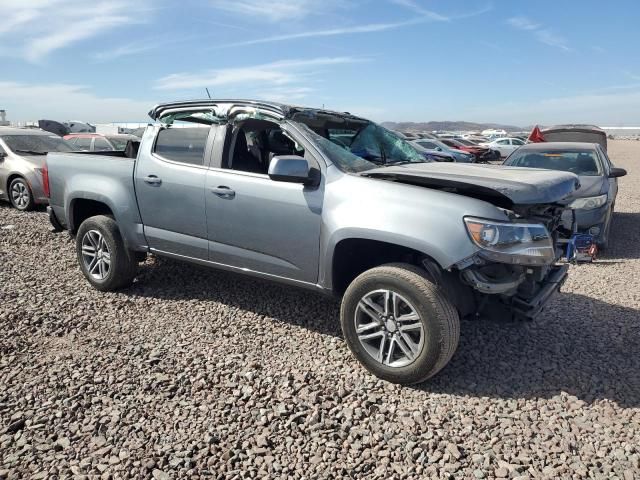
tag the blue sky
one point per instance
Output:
(503, 61)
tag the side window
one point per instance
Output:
(429, 145)
(503, 142)
(83, 143)
(252, 146)
(101, 145)
(184, 145)
(515, 141)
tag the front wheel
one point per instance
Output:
(398, 324)
(104, 260)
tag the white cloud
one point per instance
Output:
(542, 34)
(368, 28)
(523, 23)
(275, 10)
(412, 5)
(425, 16)
(435, 16)
(30, 102)
(285, 72)
(32, 29)
(124, 51)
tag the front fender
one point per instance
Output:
(425, 220)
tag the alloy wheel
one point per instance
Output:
(96, 255)
(389, 328)
(20, 194)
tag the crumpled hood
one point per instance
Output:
(500, 185)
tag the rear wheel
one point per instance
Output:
(104, 260)
(398, 324)
(20, 194)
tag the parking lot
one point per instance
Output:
(193, 373)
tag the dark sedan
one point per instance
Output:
(595, 200)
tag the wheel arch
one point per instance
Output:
(82, 208)
(352, 255)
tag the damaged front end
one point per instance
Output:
(515, 272)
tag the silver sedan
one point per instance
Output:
(22, 155)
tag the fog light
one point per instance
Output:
(594, 231)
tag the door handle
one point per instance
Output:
(223, 192)
(152, 180)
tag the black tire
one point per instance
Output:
(603, 241)
(123, 264)
(26, 201)
(440, 321)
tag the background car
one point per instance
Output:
(482, 154)
(95, 142)
(22, 155)
(504, 145)
(438, 146)
(570, 133)
(595, 200)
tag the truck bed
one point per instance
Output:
(108, 179)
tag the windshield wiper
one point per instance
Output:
(30, 152)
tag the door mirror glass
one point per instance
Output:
(289, 168)
(617, 172)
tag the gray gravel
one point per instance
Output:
(192, 373)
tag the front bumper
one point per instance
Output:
(530, 308)
(586, 219)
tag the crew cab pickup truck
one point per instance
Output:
(326, 201)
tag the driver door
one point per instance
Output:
(261, 225)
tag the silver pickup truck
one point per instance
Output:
(326, 201)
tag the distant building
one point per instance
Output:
(3, 119)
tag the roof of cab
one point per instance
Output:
(280, 109)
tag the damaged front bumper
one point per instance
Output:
(530, 308)
(512, 291)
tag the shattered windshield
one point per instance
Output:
(369, 147)
(339, 155)
(36, 144)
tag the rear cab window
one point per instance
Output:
(182, 144)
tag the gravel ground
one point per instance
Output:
(193, 373)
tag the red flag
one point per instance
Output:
(536, 135)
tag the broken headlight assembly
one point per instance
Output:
(588, 203)
(514, 243)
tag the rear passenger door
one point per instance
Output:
(169, 179)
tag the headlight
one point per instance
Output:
(588, 203)
(519, 243)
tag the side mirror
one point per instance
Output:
(617, 172)
(289, 168)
